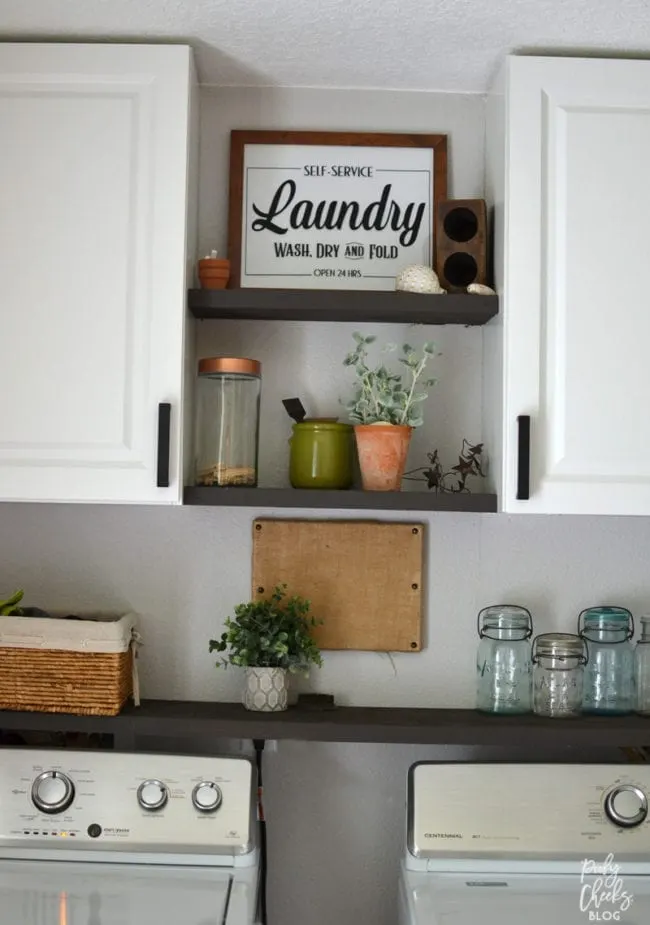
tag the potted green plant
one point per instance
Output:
(385, 408)
(269, 638)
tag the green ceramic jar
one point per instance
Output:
(321, 455)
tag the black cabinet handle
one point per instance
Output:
(523, 457)
(164, 431)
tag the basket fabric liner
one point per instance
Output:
(90, 634)
(58, 665)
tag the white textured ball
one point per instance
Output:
(419, 279)
(480, 289)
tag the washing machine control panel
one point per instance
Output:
(122, 802)
(519, 811)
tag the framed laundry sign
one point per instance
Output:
(332, 210)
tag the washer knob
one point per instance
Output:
(152, 795)
(52, 792)
(207, 797)
(626, 806)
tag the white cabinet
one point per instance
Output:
(568, 172)
(95, 163)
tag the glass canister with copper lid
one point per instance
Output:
(226, 425)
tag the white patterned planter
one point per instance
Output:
(266, 689)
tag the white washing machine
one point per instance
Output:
(99, 838)
(503, 844)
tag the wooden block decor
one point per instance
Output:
(364, 579)
(461, 243)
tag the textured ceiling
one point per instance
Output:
(401, 44)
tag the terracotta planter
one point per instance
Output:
(214, 273)
(382, 449)
(214, 282)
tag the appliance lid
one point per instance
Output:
(48, 892)
(534, 900)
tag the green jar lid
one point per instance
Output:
(322, 424)
(607, 614)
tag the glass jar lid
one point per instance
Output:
(505, 617)
(561, 646)
(607, 614)
(242, 365)
(606, 617)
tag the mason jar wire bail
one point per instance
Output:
(479, 620)
(583, 632)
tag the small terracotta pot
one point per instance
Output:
(214, 263)
(382, 449)
(213, 282)
(214, 273)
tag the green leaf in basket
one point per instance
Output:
(10, 606)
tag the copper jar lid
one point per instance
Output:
(241, 365)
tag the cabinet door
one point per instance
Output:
(93, 199)
(577, 297)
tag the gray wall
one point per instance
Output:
(461, 116)
(335, 812)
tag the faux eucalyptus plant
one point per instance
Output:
(270, 633)
(386, 397)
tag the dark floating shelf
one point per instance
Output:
(178, 719)
(341, 500)
(341, 305)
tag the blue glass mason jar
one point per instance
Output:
(503, 665)
(609, 674)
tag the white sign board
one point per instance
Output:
(334, 216)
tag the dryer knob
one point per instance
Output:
(152, 795)
(52, 792)
(626, 806)
(207, 797)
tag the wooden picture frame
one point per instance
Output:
(406, 225)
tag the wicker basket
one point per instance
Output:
(67, 666)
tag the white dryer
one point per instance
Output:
(510, 844)
(101, 838)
